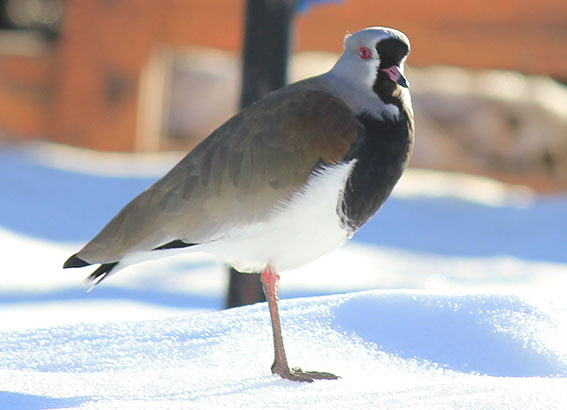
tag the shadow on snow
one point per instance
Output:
(495, 336)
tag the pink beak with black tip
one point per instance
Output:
(396, 76)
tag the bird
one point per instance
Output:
(284, 181)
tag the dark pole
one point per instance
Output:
(264, 69)
(266, 47)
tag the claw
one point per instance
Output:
(298, 375)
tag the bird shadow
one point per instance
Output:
(495, 335)
(149, 296)
(449, 226)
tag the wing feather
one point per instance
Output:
(254, 161)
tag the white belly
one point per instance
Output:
(296, 233)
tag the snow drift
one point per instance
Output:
(392, 350)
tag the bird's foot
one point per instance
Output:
(298, 375)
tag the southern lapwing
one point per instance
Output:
(284, 181)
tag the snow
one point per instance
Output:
(430, 351)
(466, 307)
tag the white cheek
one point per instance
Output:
(369, 78)
(367, 70)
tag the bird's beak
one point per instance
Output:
(396, 76)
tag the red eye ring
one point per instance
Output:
(364, 53)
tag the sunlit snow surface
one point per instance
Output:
(478, 317)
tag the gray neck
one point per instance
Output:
(358, 95)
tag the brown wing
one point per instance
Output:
(257, 159)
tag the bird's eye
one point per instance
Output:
(364, 53)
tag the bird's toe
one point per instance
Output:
(298, 375)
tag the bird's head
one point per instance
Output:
(373, 60)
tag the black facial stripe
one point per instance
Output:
(386, 88)
(391, 51)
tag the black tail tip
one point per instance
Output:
(75, 262)
(102, 272)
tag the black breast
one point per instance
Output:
(381, 152)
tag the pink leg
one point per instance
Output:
(270, 280)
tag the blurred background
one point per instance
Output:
(98, 98)
(139, 75)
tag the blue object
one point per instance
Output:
(303, 5)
